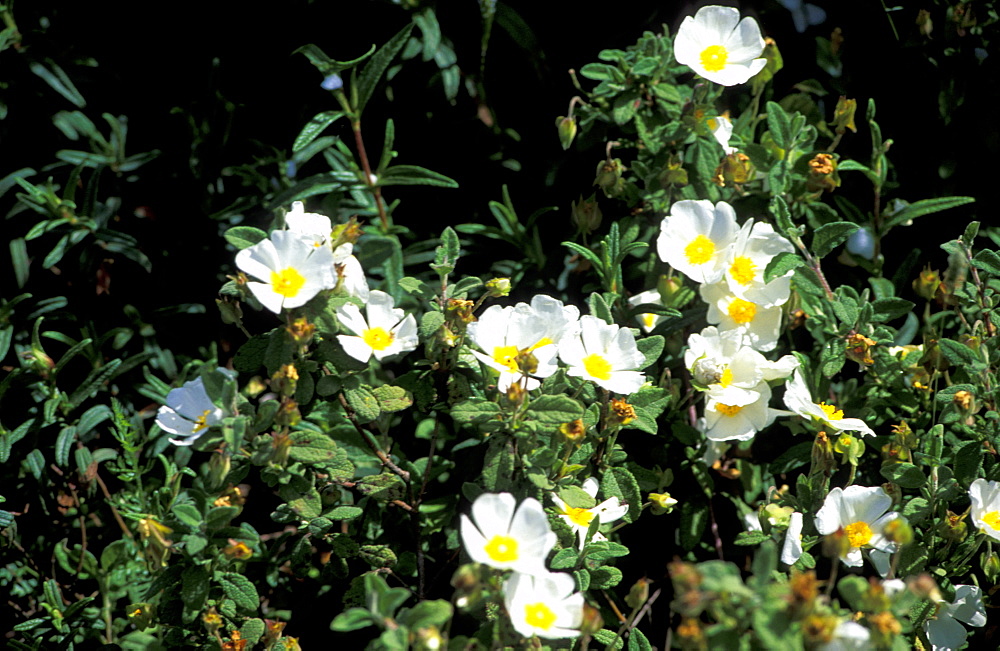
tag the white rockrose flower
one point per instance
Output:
(386, 332)
(848, 636)
(189, 412)
(311, 226)
(944, 630)
(759, 326)
(739, 422)
(726, 369)
(695, 238)
(799, 399)
(505, 538)
(985, 511)
(755, 246)
(515, 342)
(605, 354)
(289, 269)
(647, 321)
(861, 513)
(719, 46)
(579, 519)
(545, 605)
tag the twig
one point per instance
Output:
(367, 437)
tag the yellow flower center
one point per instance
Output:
(597, 367)
(580, 517)
(539, 616)
(727, 410)
(714, 57)
(742, 270)
(992, 519)
(832, 413)
(377, 338)
(742, 311)
(287, 282)
(502, 549)
(858, 533)
(506, 356)
(726, 378)
(700, 250)
(648, 320)
(200, 422)
(544, 341)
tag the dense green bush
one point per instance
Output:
(717, 392)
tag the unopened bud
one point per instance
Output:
(661, 503)
(674, 175)
(638, 593)
(953, 528)
(229, 309)
(237, 550)
(735, 169)
(778, 516)
(843, 115)
(301, 331)
(498, 287)
(609, 177)
(218, 468)
(964, 400)
(592, 620)
(991, 566)
(859, 349)
(924, 587)
(281, 443)
(899, 531)
(772, 55)
(926, 285)
(212, 621)
(586, 214)
(566, 127)
(573, 432)
(285, 380)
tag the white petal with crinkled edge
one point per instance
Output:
(791, 550)
(554, 590)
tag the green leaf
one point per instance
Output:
(252, 630)
(239, 588)
(93, 382)
(19, 260)
(188, 514)
(92, 418)
(392, 399)
(968, 461)
(243, 237)
(988, 261)
(364, 403)
(605, 637)
(599, 308)
(853, 590)
(637, 641)
(887, 309)
(352, 620)
(828, 236)
(925, 207)
(380, 556)
(475, 411)
(430, 323)
(313, 447)
(651, 349)
(906, 475)
(956, 353)
(325, 64)
(374, 69)
(414, 175)
(781, 264)
(554, 410)
(782, 217)
(749, 538)
(384, 487)
(315, 127)
(64, 443)
(780, 126)
(694, 520)
(425, 614)
(344, 513)
(194, 590)
(446, 255)
(59, 81)
(621, 483)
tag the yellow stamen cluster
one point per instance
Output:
(539, 616)
(714, 57)
(742, 311)
(502, 549)
(597, 367)
(727, 410)
(858, 533)
(377, 338)
(700, 250)
(287, 282)
(742, 270)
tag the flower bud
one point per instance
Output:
(859, 349)
(428, 639)
(638, 593)
(772, 55)
(586, 214)
(674, 175)
(963, 400)
(229, 310)
(301, 332)
(953, 528)
(285, 380)
(212, 621)
(237, 550)
(218, 468)
(991, 566)
(843, 115)
(273, 631)
(573, 432)
(609, 177)
(735, 169)
(924, 587)
(924, 23)
(566, 127)
(778, 516)
(662, 503)
(592, 620)
(498, 287)
(620, 412)
(927, 284)
(281, 443)
(899, 531)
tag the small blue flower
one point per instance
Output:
(333, 82)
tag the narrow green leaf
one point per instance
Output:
(414, 175)
(828, 236)
(780, 126)
(781, 264)
(374, 69)
(956, 353)
(325, 64)
(888, 309)
(906, 475)
(925, 207)
(243, 237)
(64, 443)
(59, 81)
(988, 261)
(19, 260)
(315, 127)
(93, 382)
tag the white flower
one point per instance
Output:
(719, 46)
(861, 513)
(759, 326)
(311, 226)
(579, 519)
(727, 369)
(557, 320)
(944, 631)
(189, 411)
(695, 238)
(755, 246)
(791, 551)
(739, 421)
(507, 539)
(605, 354)
(722, 130)
(848, 636)
(512, 337)
(350, 275)
(985, 512)
(388, 330)
(544, 605)
(799, 400)
(291, 269)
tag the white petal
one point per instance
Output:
(944, 633)
(968, 606)
(791, 551)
